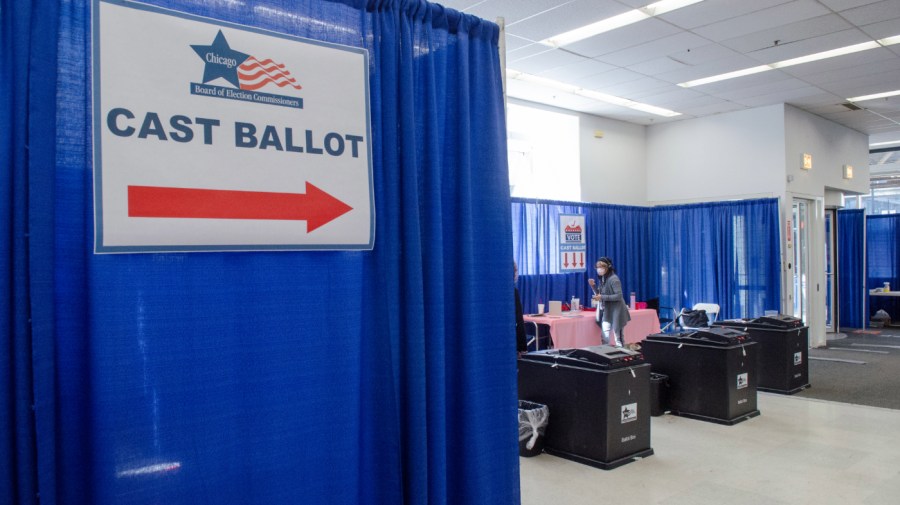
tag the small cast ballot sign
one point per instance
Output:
(211, 136)
(572, 244)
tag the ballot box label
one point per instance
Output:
(798, 358)
(742, 380)
(629, 413)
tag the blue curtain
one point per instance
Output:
(617, 231)
(27, 157)
(321, 377)
(883, 260)
(725, 253)
(852, 295)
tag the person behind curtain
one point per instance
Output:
(612, 312)
(521, 341)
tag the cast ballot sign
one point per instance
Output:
(210, 136)
(572, 243)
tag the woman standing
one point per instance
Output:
(612, 312)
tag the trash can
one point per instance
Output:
(712, 372)
(600, 400)
(532, 426)
(659, 394)
(783, 351)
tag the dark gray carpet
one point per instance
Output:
(875, 383)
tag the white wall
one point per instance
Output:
(612, 167)
(753, 153)
(734, 155)
(832, 146)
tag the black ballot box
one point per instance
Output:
(599, 401)
(712, 373)
(783, 351)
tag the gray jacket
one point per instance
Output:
(615, 310)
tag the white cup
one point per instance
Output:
(576, 304)
(540, 308)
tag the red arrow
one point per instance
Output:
(566, 261)
(316, 207)
(581, 258)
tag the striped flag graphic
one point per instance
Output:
(254, 74)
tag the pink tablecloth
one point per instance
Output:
(581, 330)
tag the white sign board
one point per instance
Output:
(572, 244)
(210, 136)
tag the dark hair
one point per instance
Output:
(610, 269)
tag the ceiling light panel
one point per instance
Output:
(589, 93)
(614, 22)
(874, 96)
(623, 38)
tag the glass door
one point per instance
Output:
(830, 287)
(800, 236)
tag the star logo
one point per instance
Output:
(221, 60)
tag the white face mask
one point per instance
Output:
(601, 271)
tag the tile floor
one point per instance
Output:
(798, 451)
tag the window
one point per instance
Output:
(544, 160)
(884, 195)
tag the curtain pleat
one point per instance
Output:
(851, 274)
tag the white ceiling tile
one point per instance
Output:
(514, 43)
(814, 45)
(840, 5)
(710, 12)
(873, 13)
(511, 11)
(585, 67)
(787, 96)
(562, 17)
(546, 60)
(548, 96)
(602, 81)
(635, 88)
(702, 55)
(709, 69)
(683, 103)
(657, 66)
(838, 69)
(672, 97)
(649, 50)
(794, 39)
(821, 100)
(771, 86)
(525, 52)
(718, 108)
(859, 85)
(883, 29)
(765, 19)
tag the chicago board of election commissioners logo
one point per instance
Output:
(246, 73)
